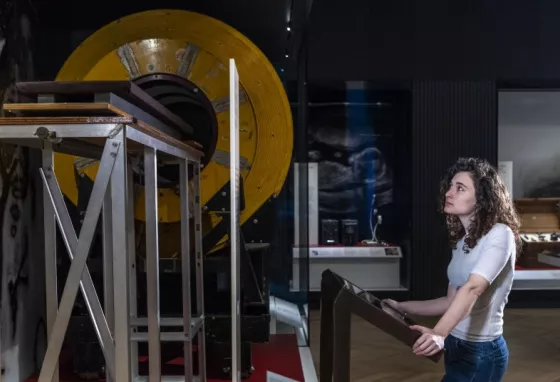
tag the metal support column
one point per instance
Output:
(186, 266)
(120, 224)
(131, 258)
(108, 276)
(152, 263)
(49, 222)
(199, 274)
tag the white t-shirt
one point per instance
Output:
(493, 258)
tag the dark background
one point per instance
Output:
(451, 57)
(362, 39)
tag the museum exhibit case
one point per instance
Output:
(528, 129)
(358, 186)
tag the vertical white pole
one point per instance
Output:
(234, 230)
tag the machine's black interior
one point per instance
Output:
(184, 99)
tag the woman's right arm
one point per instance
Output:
(436, 307)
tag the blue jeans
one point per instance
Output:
(467, 361)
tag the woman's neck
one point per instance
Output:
(466, 222)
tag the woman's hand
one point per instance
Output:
(429, 343)
(394, 304)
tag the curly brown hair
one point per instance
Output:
(493, 203)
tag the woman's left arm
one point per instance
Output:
(494, 255)
(462, 304)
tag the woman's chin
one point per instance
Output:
(449, 210)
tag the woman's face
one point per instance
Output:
(460, 199)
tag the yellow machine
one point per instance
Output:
(193, 49)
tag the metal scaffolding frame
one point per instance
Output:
(112, 195)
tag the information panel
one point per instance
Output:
(340, 299)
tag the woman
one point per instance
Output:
(483, 229)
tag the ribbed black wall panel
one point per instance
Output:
(450, 119)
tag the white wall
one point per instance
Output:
(529, 136)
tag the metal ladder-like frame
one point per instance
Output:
(112, 196)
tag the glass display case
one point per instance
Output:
(528, 131)
(355, 177)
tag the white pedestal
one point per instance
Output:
(371, 268)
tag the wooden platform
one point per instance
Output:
(99, 102)
(94, 96)
(95, 109)
(533, 336)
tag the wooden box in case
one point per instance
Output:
(540, 230)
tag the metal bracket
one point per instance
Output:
(116, 131)
(44, 133)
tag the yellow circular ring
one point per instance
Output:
(156, 35)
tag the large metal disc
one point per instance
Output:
(197, 48)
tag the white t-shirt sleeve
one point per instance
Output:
(495, 253)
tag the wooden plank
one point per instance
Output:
(95, 108)
(195, 144)
(155, 133)
(115, 106)
(125, 89)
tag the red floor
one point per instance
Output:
(280, 356)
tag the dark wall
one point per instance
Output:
(450, 119)
(60, 19)
(437, 39)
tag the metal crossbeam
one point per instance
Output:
(98, 130)
(78, 250)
